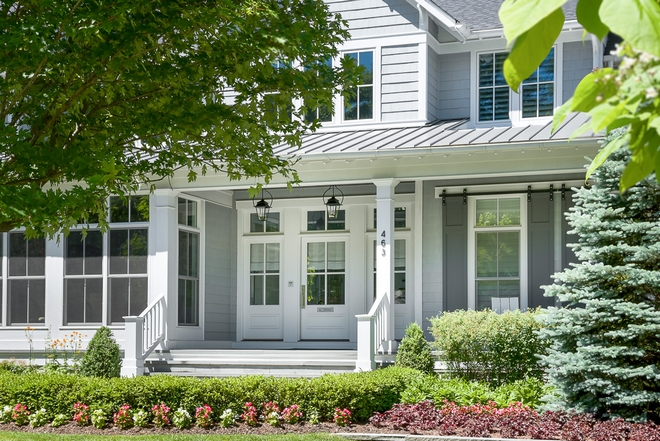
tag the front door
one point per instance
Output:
(323, 304)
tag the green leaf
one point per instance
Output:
(520, 16)
(593, 90)
(609, 148)
(531, 48)
(560, 114)
(605, 114)
(588, 17)
(644, 156)
(637, 21)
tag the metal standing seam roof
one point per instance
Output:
(441, 133)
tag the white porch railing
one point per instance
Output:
(371, 334)
(142, 334)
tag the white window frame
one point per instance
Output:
(515, 99)
(303, 220)
(6, 278)
(102, 276)
(472, 245)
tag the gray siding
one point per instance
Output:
(431, 256)
(540, 246)
(578, 61)
(372, 18)
(434, 82)
(454, 86)
(399, 82)
(220, 288)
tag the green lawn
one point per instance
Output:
(20, 436)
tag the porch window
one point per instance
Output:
(326, 273)
(319, 221)
(399, 271)
(399, 217)
(188, 300)
(128, 244)
(26, 284)
(498, 229)
(359, 102)
(270, 225)
(265, 274)
(83, 278)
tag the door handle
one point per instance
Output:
(303, 289)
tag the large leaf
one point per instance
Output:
(637, 21)
(587, 15)
(593, 90)
(644, 155)
(560, 114)
(531, 48)
(519, 16)
(609, 148)
(603, 115)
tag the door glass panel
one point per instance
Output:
(336, 292)
(399, 255)
(257, 290)
(486, 254)
(508, 254)
(272, 290)
(273, 258)
(256, 258)
(400, 288)
(336, 260)
(315, 289)
(315, 257)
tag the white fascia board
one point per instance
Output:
(387, 40)
(453, 26)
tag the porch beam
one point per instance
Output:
(385, 256)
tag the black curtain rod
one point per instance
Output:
(550, 191)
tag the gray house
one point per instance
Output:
(436, 188)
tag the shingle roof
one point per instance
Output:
(439, 134)
(480, 15)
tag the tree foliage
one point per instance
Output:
(605, 353)
(414, 351)
(627, 97)
(104, 97)
(102, 358)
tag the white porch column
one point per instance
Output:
(385, 255)
(163, 252)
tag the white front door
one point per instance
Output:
(323, 306)
(263, 304)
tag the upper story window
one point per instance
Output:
(278, 106)
(315, 112)
(359, 104)
(497, 103)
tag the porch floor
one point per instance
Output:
(236, 362)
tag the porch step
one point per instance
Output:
(237, 362)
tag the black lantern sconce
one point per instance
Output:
(262, 207)
(333, 204)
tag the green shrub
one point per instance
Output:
(491, 347)
(363, 393)
(466, 393)
(102, 357)
(414, 351)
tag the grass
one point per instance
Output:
(20, 436)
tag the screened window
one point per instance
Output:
(399, 271)
(270, 225)
(265, 274)
(319, 221)
(498, 255)
(326, 273)
(359, 101)
(399, 217)
(26, 280)
(536, 92)
(83, 279)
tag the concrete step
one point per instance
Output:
(236, 362)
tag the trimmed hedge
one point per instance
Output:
(490, 347)
(363, 393)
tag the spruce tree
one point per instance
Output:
(605, 339)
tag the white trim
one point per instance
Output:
(418, 244)
(3, 270)
(495, 188)
(472, 230)
(422, 80)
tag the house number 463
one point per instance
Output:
(382, 243)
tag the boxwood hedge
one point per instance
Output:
(363, 393)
